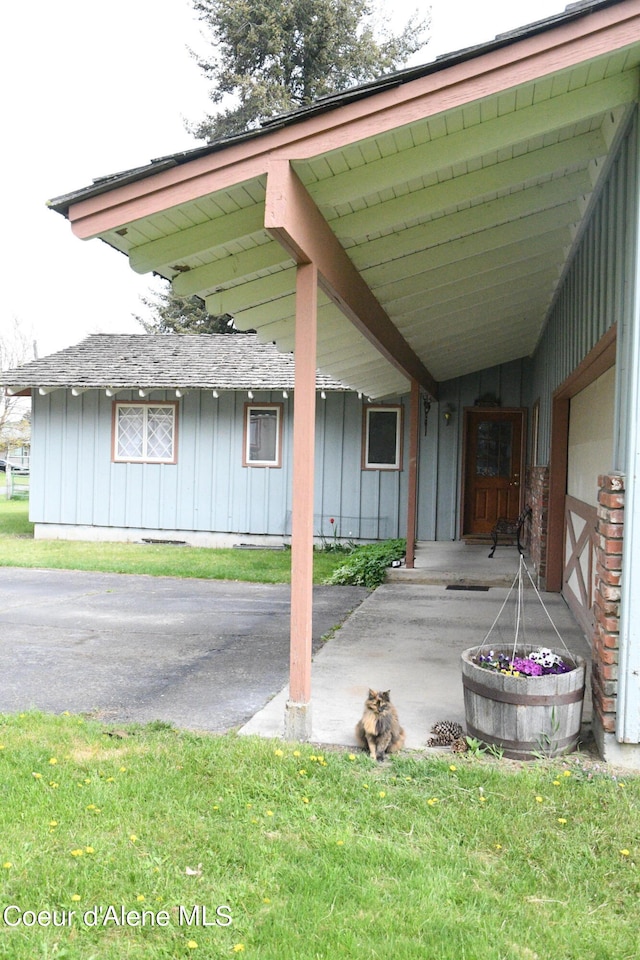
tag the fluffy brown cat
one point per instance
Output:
(379, 731)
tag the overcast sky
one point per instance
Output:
(90, 89)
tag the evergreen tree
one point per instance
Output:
(269, 57)
(273, 56)
(174, 314)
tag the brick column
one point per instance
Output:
(537, 496)
(609, 529)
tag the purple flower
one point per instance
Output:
(527, 666)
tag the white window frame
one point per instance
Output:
(145, 406)
(396, 464)
(276, 463)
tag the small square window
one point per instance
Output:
(262, 435)
(144, 432)
(382, 447)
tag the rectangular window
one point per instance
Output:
(144, 432)
(262, 435)
(382, 446)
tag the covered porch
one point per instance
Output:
(409, 234)
(408, 636)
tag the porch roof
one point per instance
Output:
(160, 362)
(440, 204)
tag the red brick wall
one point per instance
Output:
(609, 529)
(537, 497)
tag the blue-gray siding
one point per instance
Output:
(75, 482)
(595, 292)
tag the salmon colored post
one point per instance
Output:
(412, 493)
(298, 711)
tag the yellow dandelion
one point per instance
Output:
(89, 850)
(123, 769)
(132, 837)
(562, 820)
(77, 853)
(625, 852)
(140, 897)
(37, 776)
(432, 801)
(266, 899)
(351, 756)
(539, 800)
(238, 948)
(7, 865)
(279, 752)
(75, 897)
(621, 784)
(365, 786)
(305, 799)
(192, 945)
(566, 773)
(556, 783)
(53, 761)
(92, 806)
(482, 799)
(297, 753)
(110, 780)
(340, 843)
(497, 846)
(452, 767)
(409, 779)
(215, 807)
(312, 758)
(1, 746)
(382, 793)
(269, 813)
(302, 773)
(53, 823)
(87, 780)
(53, 784)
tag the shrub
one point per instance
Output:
(366, 565)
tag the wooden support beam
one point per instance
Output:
(293, 219)
(298, 710)
(412, 493)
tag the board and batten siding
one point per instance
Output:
(74, 482)
(593, 294)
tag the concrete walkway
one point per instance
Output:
(407, 636)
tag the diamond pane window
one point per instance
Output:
(145, 432)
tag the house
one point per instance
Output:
(464, 235)
(188, 438)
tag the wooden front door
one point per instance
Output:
(493, 468)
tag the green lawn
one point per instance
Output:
(311, 855)
(19, 549)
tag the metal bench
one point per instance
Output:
(506, 527)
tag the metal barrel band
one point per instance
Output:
(525, 699)
(521, 749)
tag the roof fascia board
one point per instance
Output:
(489, 73)
(292, 218)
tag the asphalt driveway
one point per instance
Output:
(201, 654)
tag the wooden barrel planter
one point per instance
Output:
(525, 717)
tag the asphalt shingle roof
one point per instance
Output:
(172, 361)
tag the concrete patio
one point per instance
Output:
(407, 636)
